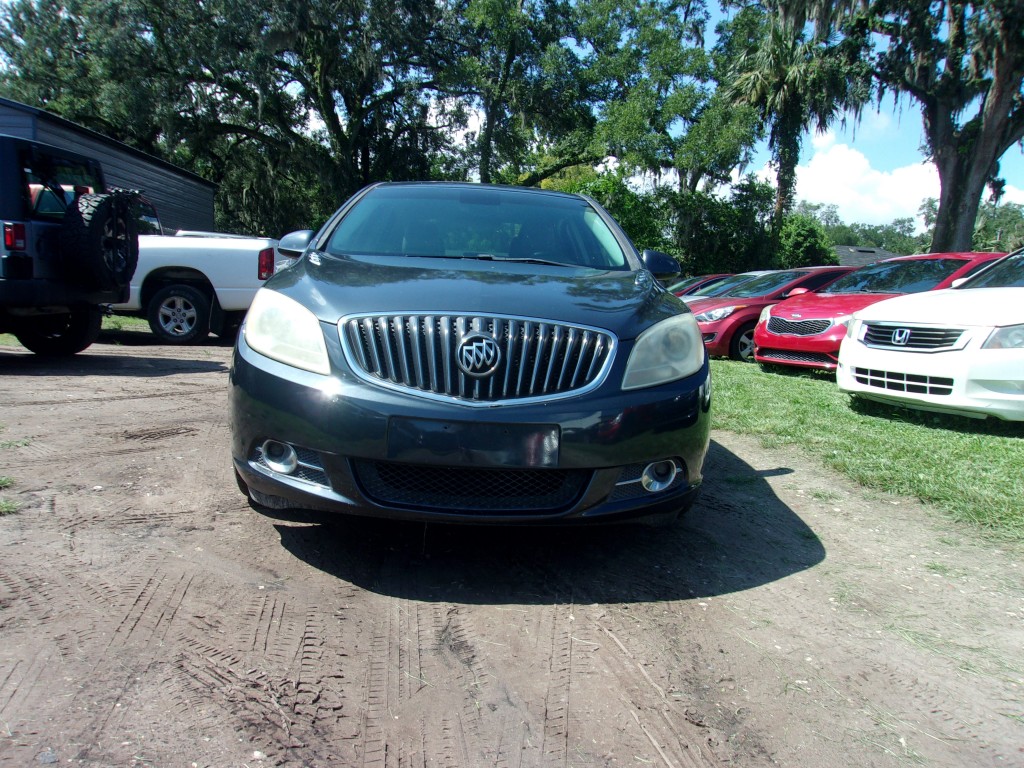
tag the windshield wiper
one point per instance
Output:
(517, 260)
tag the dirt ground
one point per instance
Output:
(150, 617)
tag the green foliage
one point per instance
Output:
(803, 243)
(716, 235)
(898, 237)
(795, 83)
(999, 227)
(636, 213)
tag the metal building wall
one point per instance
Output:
(183, 200)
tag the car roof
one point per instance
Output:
(965, 255)
(476, 187)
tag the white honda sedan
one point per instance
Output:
(959, 351)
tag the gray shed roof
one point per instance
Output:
(42, 114)
(860, 256)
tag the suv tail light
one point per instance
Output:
(14, 237)
(266, 263)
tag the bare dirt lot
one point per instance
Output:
(149, 616)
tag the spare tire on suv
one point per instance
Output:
(99, 239)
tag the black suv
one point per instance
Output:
(69, 246)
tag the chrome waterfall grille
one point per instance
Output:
(482, 359)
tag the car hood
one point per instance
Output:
(818, 306)
(623, 302)
(956, 306)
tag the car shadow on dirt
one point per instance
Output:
(27, 364)
(738, 536)
(144, 338)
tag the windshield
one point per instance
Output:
(1005, 273)
(478, 223)
(765, 284)
(911, 276)
(682, 285)
(717, 289)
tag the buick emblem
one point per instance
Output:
(900, 337)
(478, 355)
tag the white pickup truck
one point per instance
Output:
(187, 286)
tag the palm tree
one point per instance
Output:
(794, 84)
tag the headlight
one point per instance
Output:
(765, 314)
(1010, 337)
(852, 325)
(286, 331)
(843, 321)
(716, 314)
(668, 351)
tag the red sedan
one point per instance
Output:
(806, 330)
(727, 322)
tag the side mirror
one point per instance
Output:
(797, 292)
(295, 243)
(958, 282)
(661, 265)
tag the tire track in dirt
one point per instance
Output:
(678, 737)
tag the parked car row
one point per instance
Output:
(805, 331)
(939, 331)
(727, 318)
(958, 350)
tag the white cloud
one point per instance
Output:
(838, 174)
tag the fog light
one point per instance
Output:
(658, 475)
(280, 457)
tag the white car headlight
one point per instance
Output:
(284, 330)
(670, 350)
(1010, 337)
(716, 314)
(852, 326)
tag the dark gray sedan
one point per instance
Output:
(469, 353)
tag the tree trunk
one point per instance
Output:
(961, 188)
(966, 158)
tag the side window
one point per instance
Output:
(976, 268)
(52, 182)
(821, 279)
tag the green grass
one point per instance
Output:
(970, 469)
(7, 506)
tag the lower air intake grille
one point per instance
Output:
(462, 489)
(904, 382)
(793, 356)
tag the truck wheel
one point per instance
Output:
(179, 314)
(60, 335)
(99, 241)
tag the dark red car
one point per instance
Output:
(727, 321)
(690, 284)
(806, 330)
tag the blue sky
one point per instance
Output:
(874, 170)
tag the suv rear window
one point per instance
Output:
(50, 182)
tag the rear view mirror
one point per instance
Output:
(294, 243)
(661, 265)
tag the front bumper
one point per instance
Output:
(820, 352)
(363, 449)
(968, 382)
